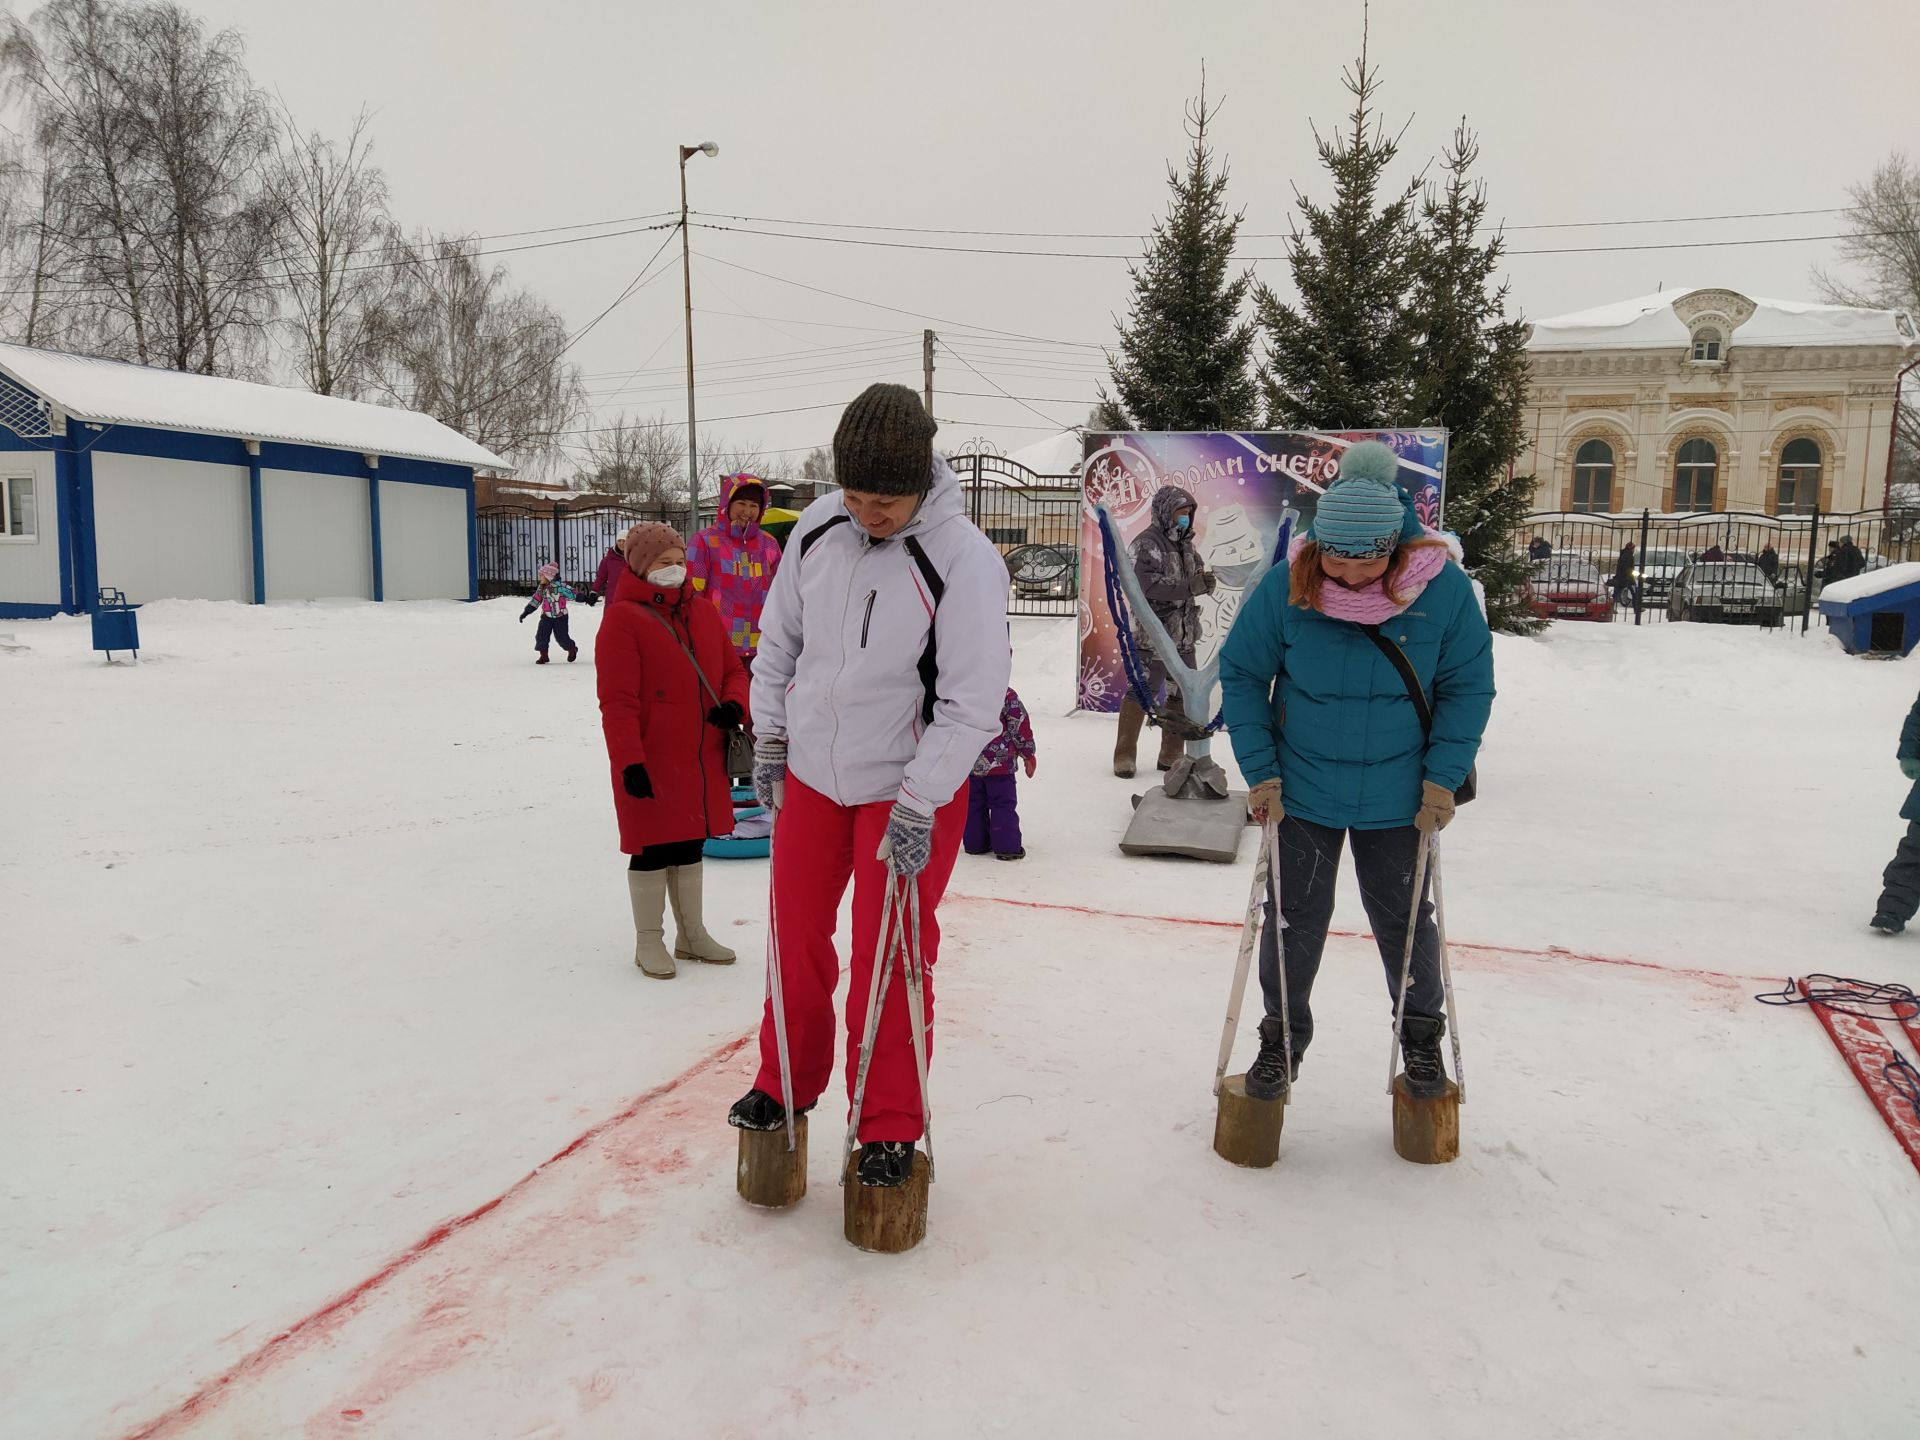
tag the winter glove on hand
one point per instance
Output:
(908, 844)
(1199, 583)
(1436, 808)
(1910, 767)
(634, 781)
(524, 613)
(727, 715)
(770, 772)
(1264, 803)
(1032, 765)
(1213, 581)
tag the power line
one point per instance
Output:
(996, 385)
(1250, 235)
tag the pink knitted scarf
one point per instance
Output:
(1371, 605)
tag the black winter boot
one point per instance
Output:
(1267, 1077)
(1887, 924)
(1420, 1039)
(757, 1110)
(886, 1162)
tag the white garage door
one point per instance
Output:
(173, 529)
(423, 541)
(319, 536)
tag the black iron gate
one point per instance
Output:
(1034, 522)
(516, 540)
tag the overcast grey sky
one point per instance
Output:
(1040, 116)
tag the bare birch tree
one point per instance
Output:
(640, 458)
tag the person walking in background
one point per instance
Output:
(993, 800)
(1848, 561)
(670, 687)
(882, 673)
(1625, 591)
(1900, 881)
(550, 598)
(1331, 740)
(1174, 578)
(613, 565)
(1769, 561)
(1540, 548)
(733, 561)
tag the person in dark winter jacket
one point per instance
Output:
(993, 801)
(1540, 548)
(882, 671)
(550, 598)
(1174, 578)
(671, 687)
(1769, 561)
(613, 565)
(1848, 561)
(1900, 882)
(1624, 589)
(1331, 742)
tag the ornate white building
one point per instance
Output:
(1702, 400)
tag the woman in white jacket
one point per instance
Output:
(882, 668)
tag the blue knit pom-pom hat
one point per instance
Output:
(1361, 514)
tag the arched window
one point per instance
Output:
(1706, 344)
(1800, 462)
(1694, 469)
(1593, 478)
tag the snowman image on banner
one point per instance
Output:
(1235, 547)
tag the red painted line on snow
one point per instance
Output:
(207, 1396)
(1867, 1051)
(1552, 953)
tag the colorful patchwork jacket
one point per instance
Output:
(734, 566)
(1003, 752)
(549, 599)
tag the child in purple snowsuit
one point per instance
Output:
(550, 598)
(993, 814)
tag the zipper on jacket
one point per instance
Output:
(866, 620)
(700, 749)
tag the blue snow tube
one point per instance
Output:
(725, 847)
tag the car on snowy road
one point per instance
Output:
(1732, 592)
(1568, 590)
(1655, 571)
(1044, 572)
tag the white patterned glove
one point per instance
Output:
(908, 844)
(770, 771)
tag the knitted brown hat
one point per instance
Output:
(884, 445)
(645, 543)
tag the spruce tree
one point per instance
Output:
(1185, 351)
(1470, 376)
(1341, 359)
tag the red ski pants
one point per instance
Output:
(817, 847)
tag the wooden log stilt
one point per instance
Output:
(1247, 1131)
(770, 1175)
(886, 1219)
(1427, 1132)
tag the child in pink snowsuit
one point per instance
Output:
(993, 811)
(733, 561)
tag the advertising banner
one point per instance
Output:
(1243, 486)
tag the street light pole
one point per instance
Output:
(687, 152)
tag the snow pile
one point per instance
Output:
(1872, 582)
(316, 939)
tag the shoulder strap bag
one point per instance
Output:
(739, 747)
(1416, 693)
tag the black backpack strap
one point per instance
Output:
(1398, 659)
(806, 540)
(929, 659)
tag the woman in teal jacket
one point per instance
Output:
(1330, 740)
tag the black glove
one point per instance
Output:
(524, 613)
(727, 715)
(590, 597)
(634, 781)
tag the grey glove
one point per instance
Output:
(908, 844)
(1201, 582)
(770, 771)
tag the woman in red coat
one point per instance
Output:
(667, 740)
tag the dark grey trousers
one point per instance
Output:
(1309, 863)
(1901, 897)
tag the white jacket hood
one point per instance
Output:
(885, 672)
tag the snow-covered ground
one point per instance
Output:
(314, 939)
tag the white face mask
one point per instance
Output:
(669, 577)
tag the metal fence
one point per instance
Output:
(516, 540)
(1653, 568)
(1034, 522)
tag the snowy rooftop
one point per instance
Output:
(1650, 322)
(1873, 582)
(1057, 455)
(114, 392)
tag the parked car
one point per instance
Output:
(1044, 572)
(1733, 592)
(1569, 590)
(1655, 571)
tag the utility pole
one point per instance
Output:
(926, 363)
(687, 152)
